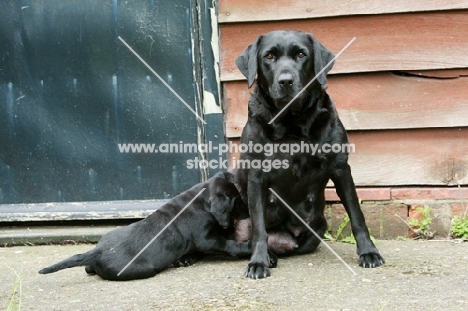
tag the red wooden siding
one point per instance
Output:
(400, 88)
(266, 10)
(408, 157)
(374, 101)
(417, 41)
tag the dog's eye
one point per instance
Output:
(269, 56)
(301, 55)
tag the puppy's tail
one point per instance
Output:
(84, 259)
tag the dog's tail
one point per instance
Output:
(84, 259)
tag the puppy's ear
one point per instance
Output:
(234, 201)
(247, 62)
(229, 177)
(322, 56)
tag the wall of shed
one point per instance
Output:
(400, 88)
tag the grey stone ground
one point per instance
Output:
(419, 275)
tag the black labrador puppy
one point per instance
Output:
(196, 230)
(284, 63)
(280, 241)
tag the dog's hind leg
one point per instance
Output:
(90, 269)
(220, 245)
(143, 267)
(133, 272)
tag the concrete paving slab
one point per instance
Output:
(418, 275)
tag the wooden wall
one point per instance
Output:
(401, 88)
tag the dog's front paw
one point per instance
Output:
(257, 270)
(371, 260)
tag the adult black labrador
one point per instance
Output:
(284, 63)
(196, 230)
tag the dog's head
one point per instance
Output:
(223, 198)
(284, 63)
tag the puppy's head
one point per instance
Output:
(223, 197)
(305, 210)
(284, 63)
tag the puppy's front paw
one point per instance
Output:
(273, 260)
(371, 260)
(186, 260)
(257, 270)
(244, 249)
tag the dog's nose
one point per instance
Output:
(286, 79)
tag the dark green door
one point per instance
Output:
(71, 92)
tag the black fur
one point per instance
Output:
(284, 62)
(195, 231)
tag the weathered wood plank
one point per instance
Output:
(433, 157)
(442, 74)
(236, 98)
(265, 10)
(410, 157)
(387, 101)
(377, 101)
(78, 210)
(415, 41)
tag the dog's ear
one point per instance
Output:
(247, 62)
(322, 56)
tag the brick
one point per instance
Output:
(373, 219)
(414, 213)
(441, 218)
(335, 214)
(331, 196)
(374, 194)
(380, 218)
(440, 214)
(392, 225)
(445, 193)
(365, 194)
(458, 209)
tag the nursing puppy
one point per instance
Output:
(280, 241)
(283, 63)
(196, 230)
